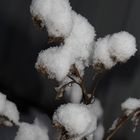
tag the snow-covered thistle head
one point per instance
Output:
(122, 46)
(101, 55)
(112, 49)
(54, 14)
(54, 61)
(130, 105)
(40, 9)
(76, 119)
(8, 111)
(76, 50)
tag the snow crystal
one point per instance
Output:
(122, 46)
(130, 105)
(55, 14)
(76, 119)
(73, 94)
(31, 132)
(2, 102)
(101, 53)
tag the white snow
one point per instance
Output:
(57, 61)
(122, 46)
(81, 38)
(11, 112)
(96, 108)
(114, 124)
(73, 94)
(76, 119)
(79, 49)
(55, 14)
(31, 132)
(8, 109)
(2, 102)
(44, 122)
(41, 9)
(98, 134)
(111, 49)
(101, 53)
(130, 105)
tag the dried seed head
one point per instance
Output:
(41, 69)
(57, 41)
(99, 67)
(39, 22)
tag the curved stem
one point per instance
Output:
(61, 90)
(96, 80)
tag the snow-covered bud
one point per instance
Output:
(122, 46)
(76, 119)
(54, 14)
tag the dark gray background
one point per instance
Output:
(20, 42)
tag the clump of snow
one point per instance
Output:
(101, 53)
(122, 46)
(44, 122)
(32, 132)
(114, 124)
(130, 105)
(2, 102)
(76, 118)
(41, 9)
(111, 49)
(81, 38)
(56, 61)
(11, 112)
(73, 93)
(55, 14)
(96, 109)
(99, 133)
(80, 65)
(8, 109)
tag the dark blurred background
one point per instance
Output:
(21, 41)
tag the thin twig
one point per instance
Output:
(120, 123)
(96, 80)
(57, 41)
(69, 76)
(61, 90)
(81, 84)
(76, 72)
